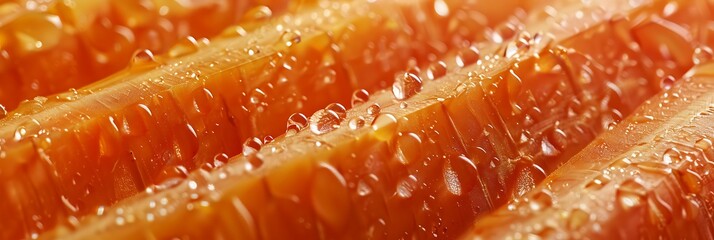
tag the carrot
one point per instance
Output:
(78, 152)
(424, 158)
(47, 47)
(648, 178)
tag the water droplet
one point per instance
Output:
(363, 189)
(356, 123)
(252, 50)
(671, 155)
(359, 96)
(20, 133)
(406, 86)
(436, 70)
(330, 197)
(667, 82)
(338, 109)
(503, 32)
(3, 111)
(233, 31)
(548, 149)
(518, 47)
(408, 148)
(291, 38)
(406, 187)
(203, 100)
(220, 159)
(441, 8)
(384, 126)
(257, 13)
(702, 54)
(467, 56)
(559, 139)
(185, 46)
(35, 32)
(403, 105)
(296, 122)
(630, 193)
(373, 110)
(267, 139)
(324, 121)
(143, 59)
(257, 96)
(251, 146)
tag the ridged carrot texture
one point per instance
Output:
(78, 152)
(647, 178)
(50, 46)
(424, 165)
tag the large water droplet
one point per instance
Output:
(234, 31)
(291, 38)
(702, 54)
(143, 59)
(441, 8)
(251, 146)
(296, 122)
(436, 70)
(338, 109)
(671, 155)
(324, 121)
(548, 149)
(373, 110)
(257, 13)
(363, 189)
(467, 56)
(184, 47)
(406, 86)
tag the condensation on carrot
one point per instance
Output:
(425, 157)
(647, 178)
(164, 116)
